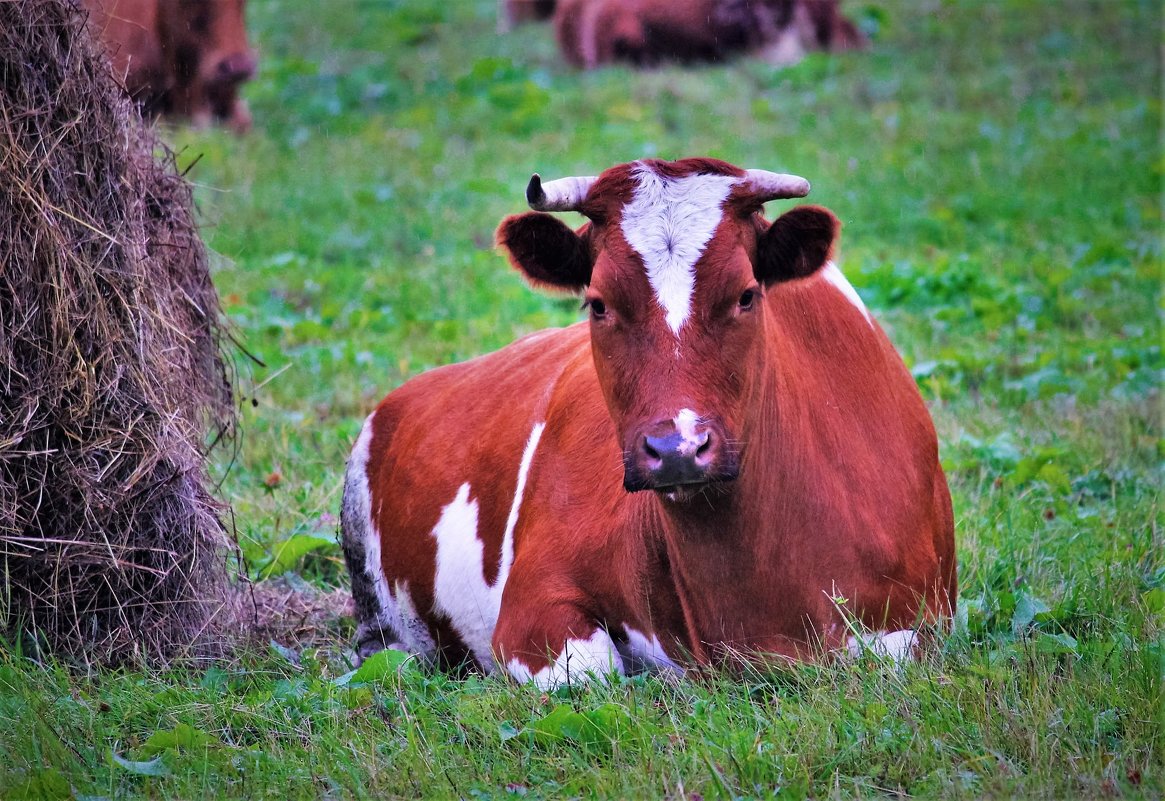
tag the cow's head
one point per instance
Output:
(209, 38)
(674, 265)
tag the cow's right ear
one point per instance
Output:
(546, 251)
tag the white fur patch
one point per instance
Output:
(460, 589)
(897, 645)
(641, 652)
(580, 660)
(668, 223)
(395, 611)
(512, 520)
(835, 276)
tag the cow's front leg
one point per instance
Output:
(554, 645)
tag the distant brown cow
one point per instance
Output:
(181, 57)
(644, 32)
(515, 12)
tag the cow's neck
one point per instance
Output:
(722, 547)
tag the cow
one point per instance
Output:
(185, 58)
(512, 13)
(645, 32)
(726, 461)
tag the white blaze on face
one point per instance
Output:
(837, 278)
(459, 588)
(668, 223)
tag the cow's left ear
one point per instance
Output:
(547, 251)
(796, 245)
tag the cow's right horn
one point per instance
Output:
(767, 186)
(565, 194)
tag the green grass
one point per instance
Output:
(998, 167)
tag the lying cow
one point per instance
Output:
(644, 32)
(181, 57)
(728, 458)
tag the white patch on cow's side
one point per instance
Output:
(580, 660)
(641, 652)
(358, 508)
(669, 222)
(512, 520)
(460, 589)
(897, 645)
(835, 276)
(395, 612)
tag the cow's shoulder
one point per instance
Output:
(466, 424)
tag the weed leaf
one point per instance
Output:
(378, 667)
(1027, 607)
(182, 737)
(152, 767)
(1056, 644)
(286, 555)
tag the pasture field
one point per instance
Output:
(998, 169)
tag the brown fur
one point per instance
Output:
(840, 493)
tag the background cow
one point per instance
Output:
(594, 32)
(181, 57)
(727, 449)
(516, 12)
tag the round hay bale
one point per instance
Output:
(112, 381)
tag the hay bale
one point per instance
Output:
(112, 382)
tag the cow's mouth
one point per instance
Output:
(682, 493)
(686, 492)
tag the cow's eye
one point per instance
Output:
(597, 307)
(747, 299)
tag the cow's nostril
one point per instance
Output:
(238, 67)
(706, 451)
(650, 451)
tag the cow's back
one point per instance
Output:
(432, 496)
(128, 30)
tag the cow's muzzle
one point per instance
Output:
(234, 69)
(666, 457)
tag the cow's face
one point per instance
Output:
(210, 37)
(673, 267)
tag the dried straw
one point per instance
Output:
(112, 382)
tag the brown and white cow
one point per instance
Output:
(644, 32)
(186, 58)
(725, 450)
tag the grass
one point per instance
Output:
(998, 169)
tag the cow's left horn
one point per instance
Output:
(768, 186)
(565, 194)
